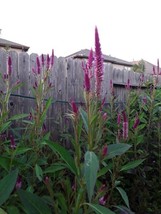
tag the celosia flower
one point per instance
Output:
(48, 62)
(104, 116)
(98, 64)
(46, 181)
(19, 182)
(102, 104)
(125, 126)
(74, 107)
(35, 85)
(104, 151)
(136, 123)
(12, 142)
(52, 58)
(42, 60)
(158, 68)
(38, 65)
(9, 65)
(103, 199)
(87, 82)
(30, 117)
(154, 70)
(86, 77)
(5, 76)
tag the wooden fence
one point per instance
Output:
(67, 77)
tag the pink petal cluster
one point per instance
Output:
(104, 151)
(103, 199)
(136, 123)
(125, 126)
(74, 107)
(98, 64)
(19, 182)
(12, 142)
(9, 65)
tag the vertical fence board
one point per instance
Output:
(14, 102)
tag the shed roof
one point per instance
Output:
(83, 54)
(7, 43)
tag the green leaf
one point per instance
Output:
(32, 203)
(91, 166)
(5, 126)
(39, 172)
(65, 155)
(5, 163)
(7, 185)
(54, 168)
(84, 118)
(124, 209)
(131, 165)
(117, 150)
(12, 210)
(104, 170)
(18, 117)
(2, 211)
(100, 209)
(124, 196)
(20, 151)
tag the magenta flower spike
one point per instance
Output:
(98, 64)
(38, 65)
(9, 66)
(46, 181)
(52, 58)
(104, 116)
(74, 107)
(103, 199)
(158, 68)
(86, 82)
(104, 151)
(5, 76)
(48, 62)
(19, 183)
(42, 60)
(12, 142)
(154, 70)
(125, 126)
(136, 123)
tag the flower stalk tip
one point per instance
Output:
(9, 65)
(74, 107)
(98, 64)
